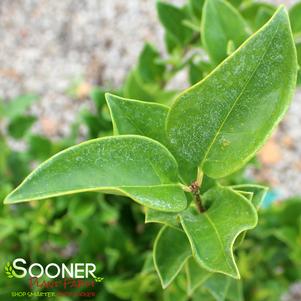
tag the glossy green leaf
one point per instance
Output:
(171, 250)
(221, 122)
(167, 218)
(137, 117)
(221, 22)
(212, 233)
(172, 19)
(295, 18)
(135, 166)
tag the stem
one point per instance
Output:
(195, 189)
(198, 202)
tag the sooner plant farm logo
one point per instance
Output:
(62, 277)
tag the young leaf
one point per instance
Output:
(295, 18)
(150, 71)
(135, 166)
(172, 19)
(221, 23)
(171, 250)
(137, 117)
(221, 122)
(212, 233)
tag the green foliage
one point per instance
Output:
(176, 157)
(221, 23)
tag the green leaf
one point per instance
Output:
(19, 126)
(19, 105)
(172, 19)
(196, 275)
(134, 88)
(262, 16)
(176, 291)
(221, 122)
(150, 71)
(218, 286)
(212, 233)
(171, 250)
(167, 218)
(223, 288)
(295, 18)
(252, 10)
(221, 22)
(198, 70)
(258, 192)
(137, 117)
(98, 97)
(135, 166)
(196, 7)
(40, 148)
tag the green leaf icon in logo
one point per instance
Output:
(98, 279)
(9, 270)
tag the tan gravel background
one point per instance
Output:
(46, 46)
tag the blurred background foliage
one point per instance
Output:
(109, 230)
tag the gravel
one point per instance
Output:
(46, 46)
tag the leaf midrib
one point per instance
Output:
(219, 239)
(237, 99)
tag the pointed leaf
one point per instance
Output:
(135, 166)
(212, 233)
(137, 117)
(171, 250)
(221, 22)
(172, 19)
(150, 71)
(221, 122)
